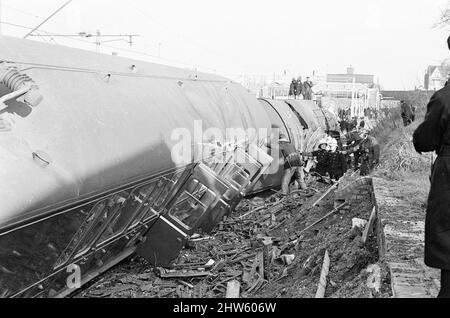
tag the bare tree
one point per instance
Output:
(444, 18)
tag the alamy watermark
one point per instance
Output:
(73, 281)
(199, 145)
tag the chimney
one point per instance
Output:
(350, 70)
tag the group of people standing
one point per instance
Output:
(299, 89)
(331, 162)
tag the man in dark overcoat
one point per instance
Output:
(307, 89)
(369, 153)
(407, 113)
(434, 135)
(293, 88)
(299, 87)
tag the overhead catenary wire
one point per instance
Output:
(153, 56)
(42, 31)
(190, 65)
(51, 16)
(65, 68)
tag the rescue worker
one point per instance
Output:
(407, 113)
(369, 153)
(354, 139)
(349, 124)
(433, 135)
(307, 89)
(293, 165)
(343, 125)
(362, 124)
(322, 157)
(337, 161)
(293, 88)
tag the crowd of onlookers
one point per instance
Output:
(301, 90)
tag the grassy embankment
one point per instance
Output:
(399, 161)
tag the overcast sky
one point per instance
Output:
(392, 39)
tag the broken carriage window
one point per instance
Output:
(160, 195)
(140, 199)
(94, 223)
(237, 175)
(230, 166)
(192, 204)
(170, 182)
(218, 162)
(101, 214)
(29, 254)
(125, 211)
(84, 211)
(112, 216)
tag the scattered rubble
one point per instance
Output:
(272, 246)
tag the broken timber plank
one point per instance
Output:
(326, 193)
(277, 208)
(218, 266)
(241, 259)
(258, 264)
(369, 225)
(256, 285)
(192, 265)
(253, 211)
(323, 276)
(233, 289)
(186, 284)
(260, 260)
(278, 226)
(182, 274)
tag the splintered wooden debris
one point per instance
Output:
(369, 226)
(323, 276)
(164, 273)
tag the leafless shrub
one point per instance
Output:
(444, 18)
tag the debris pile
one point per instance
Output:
(246, 250)
(333, 257)
(270, 247)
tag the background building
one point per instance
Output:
(350, 92)
(350, 76)
(435, 77)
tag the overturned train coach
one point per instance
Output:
(87, 160)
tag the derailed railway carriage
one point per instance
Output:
(88, 176)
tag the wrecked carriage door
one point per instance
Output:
(200, 194)
(214, 188)
(239, 169)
